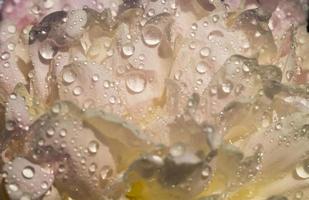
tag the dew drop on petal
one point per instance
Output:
(68, 76)
(11, 29)
(25, 197)
(50, 132)
(106, 172)
(152, 35)
(5, 55)
(95, 77)
(77, 90)
(93, 147)
(128, 49)
(44, 185)
(13, 187)
(136, 83)
(48, 4)
(47, 51)
(227, 87)
(215, 18)
(204, 52)
(28, 172)
(201, 67)
(92, 168)
(302, 169)
(206, 172)
(177, 150)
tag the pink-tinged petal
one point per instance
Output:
(301, 51)
(261, 42)
(10, 72)
(286, 15)
(25, 179)
(193, 73)
(18, 12)
(90, 85)
(27, 12)
(41, 69)
(82, 162)
(17, 115)
(283, 143)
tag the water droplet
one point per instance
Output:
(112, 99)
(299, 195)
(47, 51)
(13, 187)
(50, 132)
(278, 126)
(204, 52)
(95, 77)
(56, 108)
(302, 169)
(106, 84)
(136, 83)
(93, 147)
(68, 76)
(215, 18)
(11, 46)
(206, 172)
(194, 26)
(77, 90)
(92, 168)
(227, 87)
(106, 172)
(5, 55)
(201, 67)
(245, 68)
(48, 4)
(28, 172)
(177, 150)
(128, 49)
(151, 12)
(11, 29)
(44, 185)
(152, 35)
(25, 197)
(63, 132)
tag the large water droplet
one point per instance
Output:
(136, 83)
(13, 187)
(68, 76)
(28, 172)
(302, 169)
(152, 35)
(47, 51)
